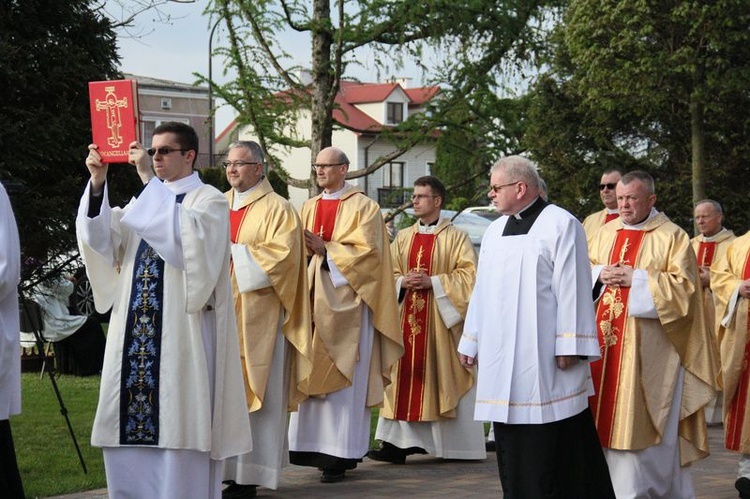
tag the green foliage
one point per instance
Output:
(279, 186)
(46, 455)
(477, 39)
(658, 86)
(216, 177)
(49, 51)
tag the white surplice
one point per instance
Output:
(10, 347)
(510, 329)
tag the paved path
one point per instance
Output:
(426, 477)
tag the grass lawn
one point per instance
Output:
(46, 455)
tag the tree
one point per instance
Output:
(475, 37)
(655, 85)
(50, 50)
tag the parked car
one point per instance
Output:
(487, 212)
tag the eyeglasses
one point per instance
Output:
(163, 150)
(611, 187)
(315, 166)
(229, 164)
(420, 197)
(498, 188)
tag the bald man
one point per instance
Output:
(356, 336)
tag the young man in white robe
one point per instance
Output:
(530, 331)
(171, 404)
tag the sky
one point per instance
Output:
(175, 48)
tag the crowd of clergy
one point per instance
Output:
(245, 335)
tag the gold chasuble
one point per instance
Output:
(732, 311)
(637, 375)
(357, 242)
(268, 226)
(593, 222)
(429, 381)
(708, 253)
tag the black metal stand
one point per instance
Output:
(32, 322)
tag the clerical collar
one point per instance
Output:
(239, 197)
(185, 184)
(611, 211)
(334, 195)
(531, 209)
(710, 239)
(640, 225)
(429, 228)
(520, 223)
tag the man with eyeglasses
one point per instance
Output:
(356, 336)
(171, 403)
(269, 282)
(730, 284)
(710, 246)
(594, 222)
(530, 332)
(429, 405)
(659, 362)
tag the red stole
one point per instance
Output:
(611, 317)
(415, 326)
(236, 217)
(611, 216)
(706, 251)
(325, 217)
(736, 416)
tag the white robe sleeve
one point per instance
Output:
(640, 302)
(249, 275)
(571, 283)
(155, 216)
(448, 313)
(337, 278)
(727, 320)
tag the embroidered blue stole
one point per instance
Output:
(141, 353)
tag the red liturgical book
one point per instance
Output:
(114, 118)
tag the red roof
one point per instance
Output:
(346, 114)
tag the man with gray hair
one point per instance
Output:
(710, 246)
(269, 284)
(659, 363)
(530, 330)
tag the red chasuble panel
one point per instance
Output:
(736, 416)
(325, 217)
(706, 251)
(236, 217)
(611, 216)
(611, 316)
(415, 327)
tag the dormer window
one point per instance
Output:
(394, 113)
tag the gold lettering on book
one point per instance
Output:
(111, 104)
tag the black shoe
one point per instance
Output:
(332, 475)
(238, 491)
(743, 487)
(389, 453)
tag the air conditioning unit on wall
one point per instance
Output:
(166, 103)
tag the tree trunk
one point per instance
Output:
(322, 76)
(697, 141)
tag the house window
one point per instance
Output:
(148, 125)
(392, 193)
(394, 113)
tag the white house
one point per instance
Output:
(363, 111)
